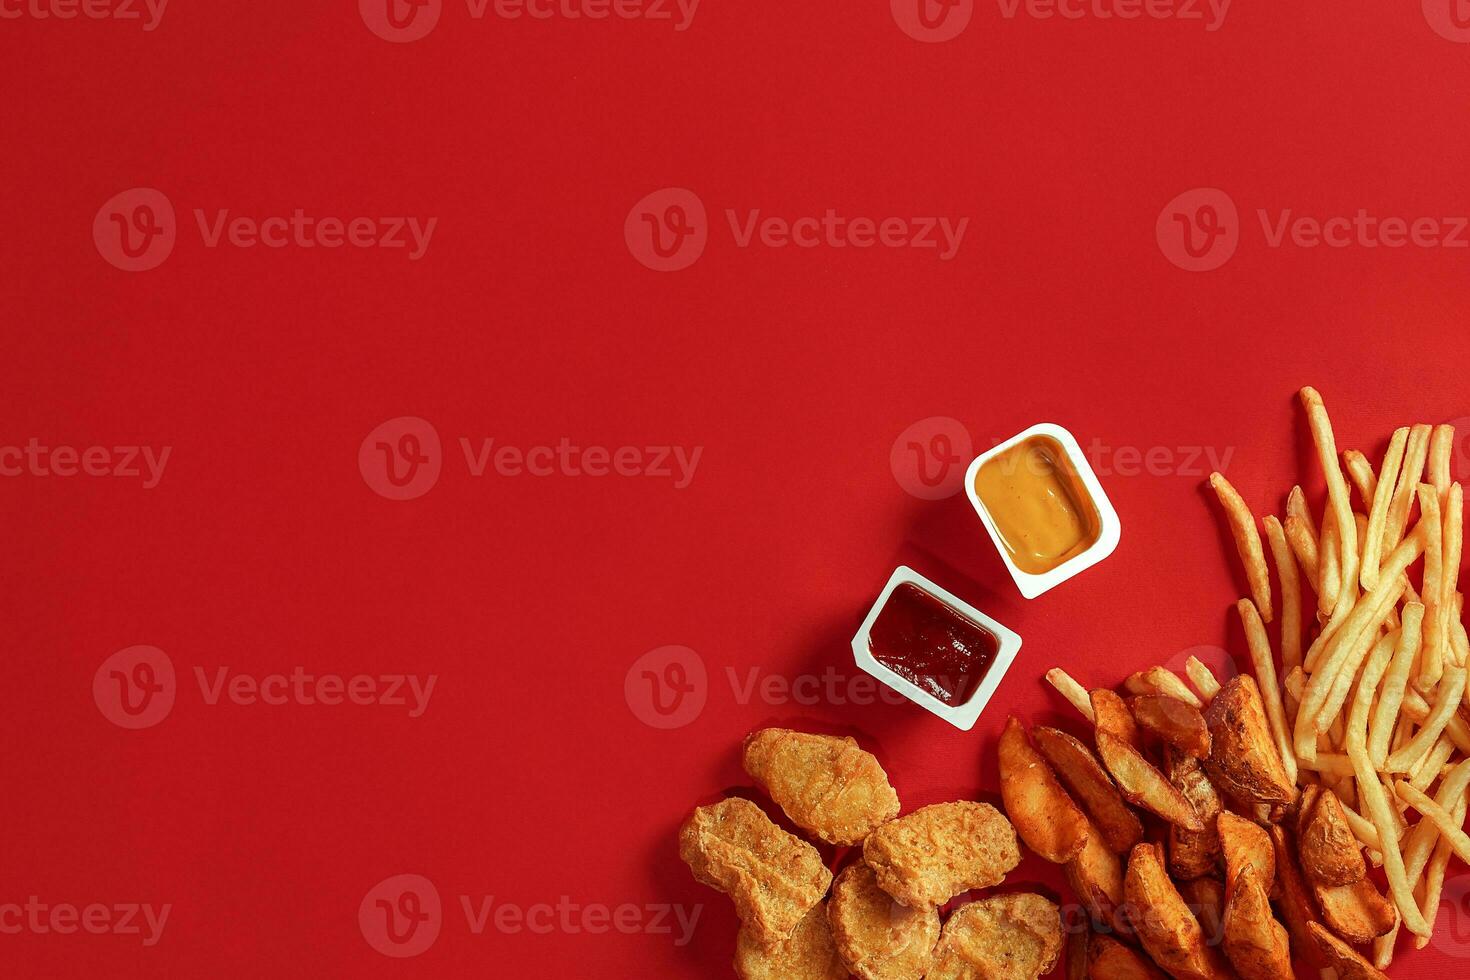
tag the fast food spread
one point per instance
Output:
(1299, 817)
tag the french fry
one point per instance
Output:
(1375, 801)
(1260, 649)
(1068, 688)
(1247, 542)
(1303, 541)
(1432, 664)
(1202, 678)
(1441, 449)
(1415, 454)
(1041, 811)
(1432, 766)
(1159, 680)
(1296, 506)
(1337, 493)
(1393, 461)
(1447, 702)
(1452, 541)
(1291, 594)
(1395, 684)
(1329, 569)
(1443, 820)
(1360, 472)
(1434, 875)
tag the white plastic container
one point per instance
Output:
(1109, 528)
(961, 716)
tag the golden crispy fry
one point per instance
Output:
(876, 937)
(1434, 873)
(1441, 450)
(1453, 542)
(1041, 811)
(1245, 843)
(1329, 572)
(1303, 540)
(1378, 515)
(1294, 896)
(931, 855)
(1108, 959)
(1096, 875)
(1005, 937)
(1395, 684)
(1443, 820)
(1291, 595)
(1173, 721)
(1348, 963)
(1415, 454)
(1113, 716)
(1338, 500)
(1091, 786)
(827, 786)
(1447, 702)
(1265, 667)
(1202, 678)
(1360, 472)
(809, 954)
(1165, 926)
(1143, 785)
(773, 878)
(1256, 944)
(1244, 761)
(1330, 853)
(1067, 686)
(1194, 854)
(1247, 542)
(1435, 640)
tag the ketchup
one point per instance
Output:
(927, 643)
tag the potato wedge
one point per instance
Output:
(1294, 897)
(1112, 716)
(1161, 680)
(1330, 852)
(1143, 785)
(1244, 761)
(1041, 811)
(1165, 926)
(1245, 843)
(1358, 912)
(1177, 724)
(1343, 958)
(1108, 959)
(1096, 877)
(1255, 943)
(1206, 899)
(1091, 786)
(1194, 854)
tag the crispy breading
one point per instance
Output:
(773, 877)
(810, 953)
(1005, 937)
(828, 786)
(876, 937)
(934, 853)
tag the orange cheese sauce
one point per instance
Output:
(1040, 508)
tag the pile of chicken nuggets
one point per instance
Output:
(880, 918)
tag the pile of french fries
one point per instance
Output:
(1349, 747)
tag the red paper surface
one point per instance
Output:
(546, 151)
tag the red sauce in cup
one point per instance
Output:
(926, 642)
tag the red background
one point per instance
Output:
(529, 778)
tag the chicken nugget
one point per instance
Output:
(939, 851)
(809, 954)
(1006, 937)
(774, 878)
(877, 938)
(826, 785)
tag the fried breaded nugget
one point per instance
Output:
(934, 853)
(877, 938)
(774, 878)
(1007, 937)
(826, 785)
(809, 954)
